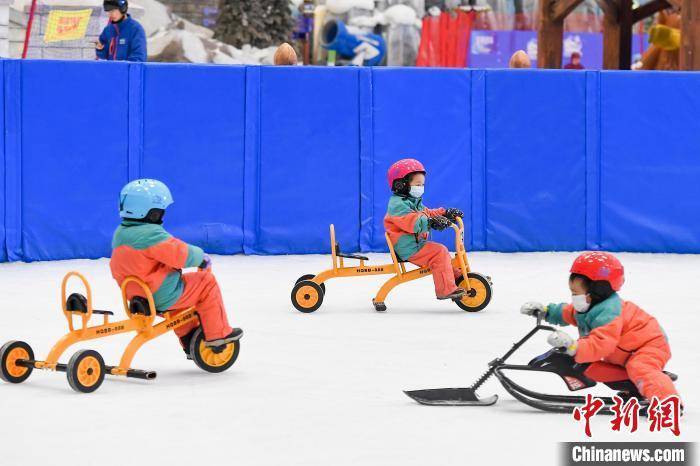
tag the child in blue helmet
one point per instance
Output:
(123, 38)
(142, 248)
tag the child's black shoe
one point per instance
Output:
(456, 294)
(235, 335)
(185, 342)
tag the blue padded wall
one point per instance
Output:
(650, 162)
(3, 247)
(193, 140)
(262, 159)
(308, 159)
(72, 155)
(535, 160)
(422, 114)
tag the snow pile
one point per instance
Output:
(340, 7)
(174, 39)
(401, 14)
(395, 15)
(400, 21)
(156, 16)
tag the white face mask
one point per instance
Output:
(579, 302)
(416, 191)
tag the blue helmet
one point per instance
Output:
(140, 196)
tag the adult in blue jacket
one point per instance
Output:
(123, 38)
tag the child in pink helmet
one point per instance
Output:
(408, 222)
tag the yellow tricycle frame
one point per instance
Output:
(308, 292)
(144, 325)
(86, 369)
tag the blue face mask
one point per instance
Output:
(416, 191)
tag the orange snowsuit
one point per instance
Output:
(617, 334)
(148, 252)
(406, 222)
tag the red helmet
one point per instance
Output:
(600, 266)
(402, 168)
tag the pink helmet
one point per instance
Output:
(402, 168)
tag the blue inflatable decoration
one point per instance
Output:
(362, 49)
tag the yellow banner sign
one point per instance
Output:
(66, 25)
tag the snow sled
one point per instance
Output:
(309, 290)
(553, 361)
(86, 369)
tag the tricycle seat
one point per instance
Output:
(353, 256)
(78, 303)
(139, 305)
(349, 256)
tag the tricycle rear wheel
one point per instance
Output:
(307, 296)
(310, 277)
(10, 353)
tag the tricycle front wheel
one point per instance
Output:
(86, 371)
(213, 359)
(479, 294)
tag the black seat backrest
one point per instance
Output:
(139, 305)
(76, 302)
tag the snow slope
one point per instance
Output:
(323, 388)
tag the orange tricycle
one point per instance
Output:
(309, 290)
(86, 369)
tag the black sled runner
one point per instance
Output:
(553, 361)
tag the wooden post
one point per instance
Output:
(690, 35)
(617, 34)
(550, 33)
(626, 24)
(611, 34)
(618, 21)
(550, 37)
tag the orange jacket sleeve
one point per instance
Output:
(414, 222)
(175, 253)
(601, 342)
(434, 212)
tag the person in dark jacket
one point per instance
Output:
(123, 38)
(575, 63)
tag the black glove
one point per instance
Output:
(439, 223)
(452, 213)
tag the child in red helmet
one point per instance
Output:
(615, 335)
(408, 221)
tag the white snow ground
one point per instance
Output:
(323, 388)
